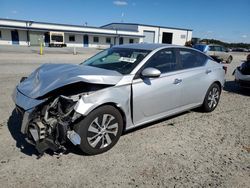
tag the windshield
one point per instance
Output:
(202, 48)
(122, 60)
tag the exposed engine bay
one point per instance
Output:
(52, 124)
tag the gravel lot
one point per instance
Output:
(189, 150)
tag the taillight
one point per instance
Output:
(225, 69)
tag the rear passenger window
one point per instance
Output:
(211, 48)
(217, 48)
(191, 59)
(164, 60)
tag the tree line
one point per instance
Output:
(225, 44)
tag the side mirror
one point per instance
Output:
(151, 73)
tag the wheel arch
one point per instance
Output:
(204, 105)
(215, 82)
(219, 84)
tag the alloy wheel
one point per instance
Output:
(102, 131)
(213, 97)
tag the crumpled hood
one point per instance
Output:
(49, 77)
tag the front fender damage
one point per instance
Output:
(50, 124)
(119, 96)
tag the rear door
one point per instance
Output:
(194, 77)
(155, 97)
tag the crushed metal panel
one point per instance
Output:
(52, 76)
(119, 95)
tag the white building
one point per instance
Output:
(155, 34)
(23, 32)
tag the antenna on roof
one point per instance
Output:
(122, 17)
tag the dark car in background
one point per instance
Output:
(217, 52)
(240, 50)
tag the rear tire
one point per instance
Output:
(230, 59)
(100, 130)
(212, 98)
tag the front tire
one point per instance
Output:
(212, 98)
(100, 130)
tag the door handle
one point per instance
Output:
(177, 81)
(208, 71)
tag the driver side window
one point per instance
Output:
(163, 60)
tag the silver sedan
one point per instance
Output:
(120, 88)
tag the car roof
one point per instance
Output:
(207, 45)
(145, 46)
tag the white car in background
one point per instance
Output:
(217, 52)
(242, 74)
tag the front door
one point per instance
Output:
(85, 41)
(14, 37)
(154, 98)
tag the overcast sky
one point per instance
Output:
(227, 20)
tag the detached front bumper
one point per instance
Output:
(23, 101)
(25, 106)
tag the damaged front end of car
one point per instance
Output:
(49, 124)
(49, 116)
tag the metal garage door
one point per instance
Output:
(149, 36)
(36, 38)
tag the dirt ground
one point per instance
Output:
(189, 150)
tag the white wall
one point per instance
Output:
(177, 35)
(102, 42)
(141, 29)
(190, 34)
(6, 37)
(114, 41)
(7, 40)
(22, 37)
(78, 40)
